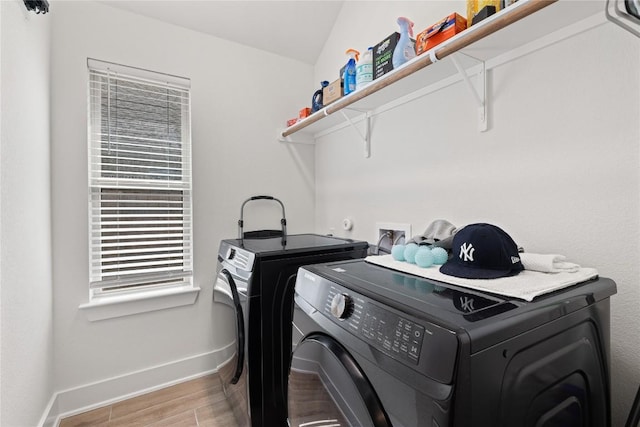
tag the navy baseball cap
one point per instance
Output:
(483, 251)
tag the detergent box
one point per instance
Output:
(439, 32)
(383, 54)
(332, 92)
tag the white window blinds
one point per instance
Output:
(139, 179)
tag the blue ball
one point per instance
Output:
(440, 255)
(424, 257)
(397, 252)
(410, 253)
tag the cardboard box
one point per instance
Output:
(332, 92)
(439, 32)
(305, 112)
(383, 54)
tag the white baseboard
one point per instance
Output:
(110, 390)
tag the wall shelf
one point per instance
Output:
(521, 23)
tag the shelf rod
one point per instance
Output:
(306, 139)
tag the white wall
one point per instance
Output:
(26, 349)
(558, 168)
(240, 95)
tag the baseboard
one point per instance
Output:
(110, 390)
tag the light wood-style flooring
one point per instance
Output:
(202, 403)
(196, 403)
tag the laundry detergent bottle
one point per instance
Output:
(350, 71)
(405, 49)
(364, 69)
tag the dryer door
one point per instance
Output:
(328, 388)
(233, 372)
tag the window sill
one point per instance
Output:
(110, 307)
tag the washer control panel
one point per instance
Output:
(395, 335)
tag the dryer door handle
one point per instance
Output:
(239, 325)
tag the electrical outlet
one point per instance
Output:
(389, 234)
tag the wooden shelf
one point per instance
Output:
(519, 24)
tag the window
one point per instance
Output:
(140, 215)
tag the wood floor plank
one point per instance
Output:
(182, 405)
(168, 409)
(218, 414)
(184, 419)
(164, 395)
(92, 418)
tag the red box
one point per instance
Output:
(305, 112)
(439, 32)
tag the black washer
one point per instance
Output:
(413, 352)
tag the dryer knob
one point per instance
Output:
(341, 306)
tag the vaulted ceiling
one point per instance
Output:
(295, 29)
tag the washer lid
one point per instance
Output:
(295, 243)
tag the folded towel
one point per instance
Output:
(547, 263)
(526, 285)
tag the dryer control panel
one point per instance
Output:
(385, 330)
(414, 342)
(405, 337)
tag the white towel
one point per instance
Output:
(547, 263)
(527, 285)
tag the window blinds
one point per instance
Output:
(139, 179)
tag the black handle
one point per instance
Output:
(283, 221)
(239, 325)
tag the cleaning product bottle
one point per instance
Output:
(350, 71)
(364, 69)
(316, 99)
(405, 49)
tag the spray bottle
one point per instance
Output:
(350, 71)
(364, 69)
(405, 49)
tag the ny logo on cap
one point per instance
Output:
(466, 252)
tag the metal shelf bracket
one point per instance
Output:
(366, 138)
(479, 92)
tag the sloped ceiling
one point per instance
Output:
(295, 29)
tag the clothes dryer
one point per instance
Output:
(256, 277)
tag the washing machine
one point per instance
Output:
(377, 347)
(256, 277)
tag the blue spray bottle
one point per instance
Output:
(405, 49)
(350, 71)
